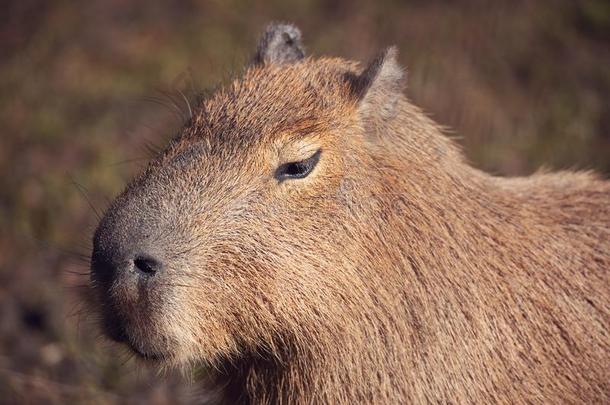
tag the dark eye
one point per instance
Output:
(297, 170)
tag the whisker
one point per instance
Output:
(128, 356)
(83, 192)
(152, 149)
(170, 96)
(77, 273)
(127, 161)
(188, 104)
(173, 107)
(45, 244)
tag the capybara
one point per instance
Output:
(312, 237)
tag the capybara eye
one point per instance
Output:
(297, 170)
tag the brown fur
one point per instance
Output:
(394, 273)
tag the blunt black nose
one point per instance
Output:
(146, 265)
(108, 266)
(123, 251)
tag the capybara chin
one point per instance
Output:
(312, 237)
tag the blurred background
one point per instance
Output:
(87, 88)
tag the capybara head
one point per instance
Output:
(311, 237)
(251, 228)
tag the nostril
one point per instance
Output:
(146, 265)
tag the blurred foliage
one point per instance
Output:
(86, 87)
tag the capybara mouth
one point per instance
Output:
(119, 335)
(151, 356)
(115, 331)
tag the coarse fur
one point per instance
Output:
(393, 273)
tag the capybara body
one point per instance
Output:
(312, 237)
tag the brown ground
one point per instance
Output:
(523, 84)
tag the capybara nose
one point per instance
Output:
(107, 267)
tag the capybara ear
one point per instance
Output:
(378, 88)
(280, 43)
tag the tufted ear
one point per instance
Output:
(280, 43)
(378, 88)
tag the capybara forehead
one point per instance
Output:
(269, 100)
